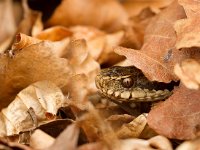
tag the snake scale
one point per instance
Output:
(129, 84)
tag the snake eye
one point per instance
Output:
(127, 82)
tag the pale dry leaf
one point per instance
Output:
(69, 13)
(189, 73)
(44, 97)
(134, 128)
(33, 63)
(82, 62)
(136, 6)
(68, 139)
(77, 89)
(93, 146)
(188, 29)
(160, 142)
(95, 38)
(188, 32)
(7, 30)
(7, 145)
(191, 7)
(55, 33)
(100, 44)
(95, 128)
(37, 26)
(190, 145)
(40, 140)
(30, 19)
(108, 55)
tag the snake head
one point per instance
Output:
(130, 84)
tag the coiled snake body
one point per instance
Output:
(130, 85)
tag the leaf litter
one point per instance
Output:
(48, 68)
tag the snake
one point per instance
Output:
(129, 84)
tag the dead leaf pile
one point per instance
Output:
(50, 56)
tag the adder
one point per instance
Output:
(129, 84)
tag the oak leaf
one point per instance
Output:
(135, 7)
(100, 44)
(188, 29)
(82, 62)
(55, 33)
(158, 56)
(43, 97)
(33, 63)
(191, 7)
(70, 13)
(178, 117)
(189, 73)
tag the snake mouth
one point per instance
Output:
(142, 90)
(135, 95)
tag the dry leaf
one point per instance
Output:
(191, 7)
(190, 145)
(22, 41)
(41, 140)
(135, 7)
(100, 45)
(93, 146)
(6, 145)
(157, 142)
(95, 39)
(44, 97)
(70, 13)
(30, 18)
(178, 117)
(7, 30)
(189, 73)
(31, 64)
(188, 32)
(55, 33)
(82, 62)
(68, 139)
(134, 128)
(158, 56)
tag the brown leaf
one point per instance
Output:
(191, 7)
(41, 140)
(22, 41)
(43, 97)
(68, 139)
(191, 145)
(70, 13)
(134, 128)
(100, 45)
(55, 33)
(189, 73)
(82, 62)
(188, 29)
(31, 64)
(6, 145)
(135, 7)
(7, 30)
(188, 32)
(178, 117)
(30, 17)
(157, 56)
